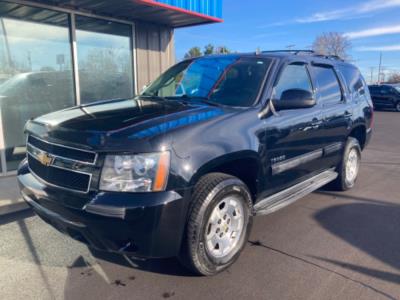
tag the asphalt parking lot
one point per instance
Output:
(325, 246)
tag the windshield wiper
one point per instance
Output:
(187, 98)
(153, 97)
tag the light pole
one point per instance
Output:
(380, 68)
(372, 75)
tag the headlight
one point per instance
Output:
(135, 173)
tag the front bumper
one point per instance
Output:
(148, 225)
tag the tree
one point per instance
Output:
(209, 49)
(193, 52)
(222, 50)
(394, 78)
(332, 43)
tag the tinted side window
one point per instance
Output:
(293, 77)
(374, 90)
(385, 90)
(328, 85)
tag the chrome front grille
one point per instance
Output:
(61, 166)
(70, 153)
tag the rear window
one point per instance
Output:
(374, 89)
(352, 77)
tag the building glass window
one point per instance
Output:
(104, 51)
(35, 71)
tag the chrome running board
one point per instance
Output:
(294, 193)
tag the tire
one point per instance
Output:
(347, 178)
(397, 106)
(220, 205)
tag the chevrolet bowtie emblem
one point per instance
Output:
(45, 159)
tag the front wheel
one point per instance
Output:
(349, 167)
(219, 224)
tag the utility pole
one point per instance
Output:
(380, 68)
(372, 75)
(383, 74)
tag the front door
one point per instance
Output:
(293, 141)
(336, 111)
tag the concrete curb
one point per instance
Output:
(12, 206)
(10, 198)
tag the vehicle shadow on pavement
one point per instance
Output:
(166, 266)
(112, 274)
(16, 216)
(370, 225)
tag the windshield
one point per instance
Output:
(397, 88)
(233, 81)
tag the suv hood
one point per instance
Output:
(112, 124)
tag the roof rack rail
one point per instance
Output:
(306, 51)
(336, 57)
(294, 51)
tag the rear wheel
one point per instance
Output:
(349, 167)
(397, 106)
(219, 224)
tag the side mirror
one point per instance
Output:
(295, 99)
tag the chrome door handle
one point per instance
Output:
(316, 123)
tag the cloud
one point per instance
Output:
(373, 32)
(350, 12)
(386, 48)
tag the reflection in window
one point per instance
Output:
(329, 88)
(35, 71)
(228, 80)
(104, 59)
(293, 77)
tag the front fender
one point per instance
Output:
(224, 160)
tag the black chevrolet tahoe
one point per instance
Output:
(181, 169)
(385, 96)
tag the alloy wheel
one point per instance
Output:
(352, 165)
(225, 227)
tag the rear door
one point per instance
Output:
(385, 97)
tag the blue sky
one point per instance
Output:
(371, 25)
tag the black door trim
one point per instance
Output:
(296, 161)
(291, 163)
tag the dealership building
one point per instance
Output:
(59, 53)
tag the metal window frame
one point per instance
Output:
(3, 168)
(74, 56)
